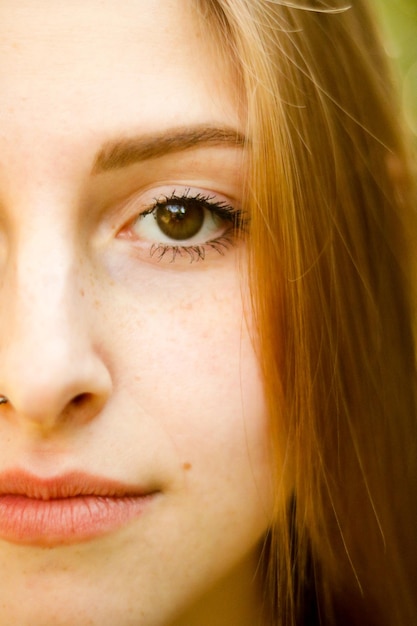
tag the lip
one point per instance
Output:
(69, 508)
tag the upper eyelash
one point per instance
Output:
(220, 207)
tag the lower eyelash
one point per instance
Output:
(195, 253)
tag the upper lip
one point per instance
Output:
(68, 485)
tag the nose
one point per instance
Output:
(51, 370)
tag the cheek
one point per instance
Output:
(185, 355)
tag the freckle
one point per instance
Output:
(82, 292)
(187, 306)
(186, 466)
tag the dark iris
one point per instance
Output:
(180, 221)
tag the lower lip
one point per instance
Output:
(54, 522)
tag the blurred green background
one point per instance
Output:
(399, 23)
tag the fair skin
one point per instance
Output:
(117, 362)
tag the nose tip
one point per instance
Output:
(53, 390)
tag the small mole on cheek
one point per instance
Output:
(186, 466)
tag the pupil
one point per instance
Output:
(180, 221)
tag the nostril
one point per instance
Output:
(80, 399)
(83, 405)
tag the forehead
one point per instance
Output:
(73, 66)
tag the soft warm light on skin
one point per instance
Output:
(159, 352)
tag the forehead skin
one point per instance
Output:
(56, 64)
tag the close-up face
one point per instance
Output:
(134, 452)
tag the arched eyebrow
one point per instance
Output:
(126, 151)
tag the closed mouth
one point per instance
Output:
(66, 509)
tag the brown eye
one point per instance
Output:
(186, 225)
(180, 221)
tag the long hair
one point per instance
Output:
(331, 201)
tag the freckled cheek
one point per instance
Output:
(206, 334)
(185, 350)
(209, 374)
(191, 317)
(185, 369)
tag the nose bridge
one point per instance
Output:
(45, 345)
(40, 282)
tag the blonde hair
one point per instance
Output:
(331, 200)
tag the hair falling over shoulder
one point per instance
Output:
(332, 200)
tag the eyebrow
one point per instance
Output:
(126, 151)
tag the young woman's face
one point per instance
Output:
(134, 469)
